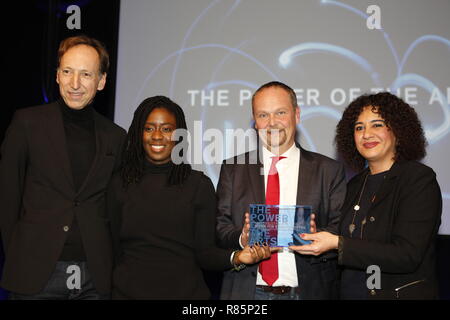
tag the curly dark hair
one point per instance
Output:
(399, 116)
(133, 158)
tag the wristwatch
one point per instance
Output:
(237, 267)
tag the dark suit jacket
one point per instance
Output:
(38, 199)
(400, 232)
(321, 184)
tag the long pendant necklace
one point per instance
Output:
(352, 226)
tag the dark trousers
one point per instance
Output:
(260, 294)
(71, 280)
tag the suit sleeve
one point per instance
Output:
(209, 256)
(13, 164)
(227, 233)
(415, 225)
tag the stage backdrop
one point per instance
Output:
(209, 56)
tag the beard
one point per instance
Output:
(273, 138)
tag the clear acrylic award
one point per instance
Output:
(279, 225)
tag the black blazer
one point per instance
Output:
(400, 232)
(321, 184)
(39, 201)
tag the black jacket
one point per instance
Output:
(38, 198)
(321, 184)
(400, 232)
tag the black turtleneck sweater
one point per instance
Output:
(164, 235)
(80, 141)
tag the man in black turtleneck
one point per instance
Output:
(80, 141)
(56, 161)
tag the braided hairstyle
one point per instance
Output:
(134, 157)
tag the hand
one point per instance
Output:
(321, 242)
(313, 228)
(253, 254)
(245, 230)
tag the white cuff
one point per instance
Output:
(240, 243)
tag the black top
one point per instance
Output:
(163, 236)
(400, 233)
(353, 281)
(80, 141)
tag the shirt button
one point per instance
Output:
(76, 203)
(372, 219)
(373, 292)
(66, 228)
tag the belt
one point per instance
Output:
(279, 290)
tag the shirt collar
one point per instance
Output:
(267, 155)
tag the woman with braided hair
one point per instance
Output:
(162, 213)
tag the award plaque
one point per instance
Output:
(279, 225)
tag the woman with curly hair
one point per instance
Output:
(162, 213)
(392, 210)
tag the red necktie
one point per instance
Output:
(269, 268)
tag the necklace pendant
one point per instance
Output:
(356, 207)
(351, 228)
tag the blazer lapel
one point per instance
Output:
(256, 178)
(57, 137)
(388, 184)
(101, 140)
(304, 180)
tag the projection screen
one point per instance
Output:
(209, 57)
